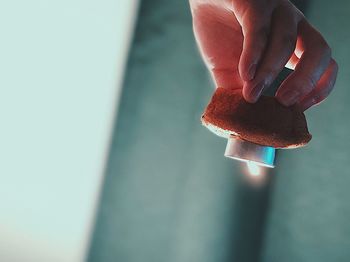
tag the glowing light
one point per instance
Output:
(253, 168)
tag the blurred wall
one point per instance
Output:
(61, 64)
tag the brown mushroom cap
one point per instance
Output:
(266, 122)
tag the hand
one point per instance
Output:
(247, 43)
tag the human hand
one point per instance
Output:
(246, 44)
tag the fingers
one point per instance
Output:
(255, 28)
(314, 61)
(280, 48)
(247, 43)
(323, 88)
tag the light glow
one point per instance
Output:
(253, 168)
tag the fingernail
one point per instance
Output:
(251, 71)
(256, 91)
(289, 98)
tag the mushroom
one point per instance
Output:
(263, 124)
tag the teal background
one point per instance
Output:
(170, 195)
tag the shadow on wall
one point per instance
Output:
(251, 211)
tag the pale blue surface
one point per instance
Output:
(60, 62)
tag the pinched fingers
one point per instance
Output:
(281, 46)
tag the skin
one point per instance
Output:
(246, 44)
